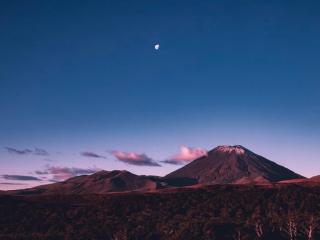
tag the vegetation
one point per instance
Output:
(220, 212)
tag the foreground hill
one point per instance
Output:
(217, 212)
(234, 164)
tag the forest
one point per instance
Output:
(217, 212)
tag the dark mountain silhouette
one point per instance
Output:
(234, 164)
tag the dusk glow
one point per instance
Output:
(81, 88)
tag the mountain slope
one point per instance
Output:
(315, 178)
(97, 183)
(234, 164)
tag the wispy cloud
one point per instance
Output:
(48, 160)
(135, 158)
(18, 151)
(186, 155)
(63, 173)
(36, 151)
(41, 152)
(10, 183)
(91, 155)
(20, 178)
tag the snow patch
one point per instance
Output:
(230, 149)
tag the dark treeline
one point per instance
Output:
(219, 212)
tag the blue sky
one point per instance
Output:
(83, 76)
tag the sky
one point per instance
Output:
(82, 87)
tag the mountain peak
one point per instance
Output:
(238, 149)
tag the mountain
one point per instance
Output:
(106, 182)
(78, 208)
(234, 164)
(97, 183)
(313, 181)
(315, 178)
(222, 165)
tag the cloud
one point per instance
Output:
(9, 183)
(39, 172)
(63, 173)
(40, 151)
(135, 158)
(20, 178)
(48, 160)
(186, 155)
(91, 155)
(17, 151)
(36, 151)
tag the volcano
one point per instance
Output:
(234, 164)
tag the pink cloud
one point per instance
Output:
(135, 158)
(186, 155)
(63, 173)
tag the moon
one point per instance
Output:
(157, 46)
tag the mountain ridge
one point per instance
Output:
(222, 165)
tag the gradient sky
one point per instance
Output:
(83, 76)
